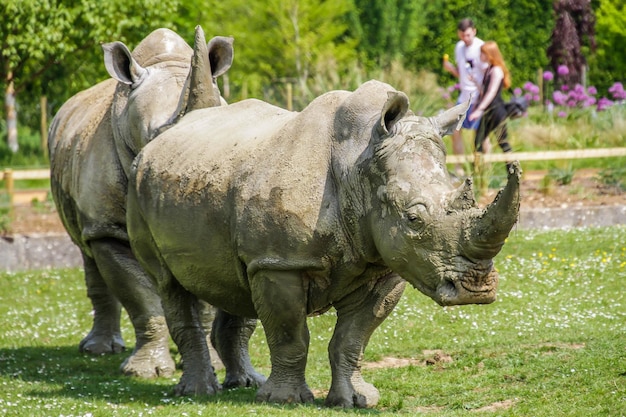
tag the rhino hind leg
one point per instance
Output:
(105, 335)
(207, 315)
(183, 313)
(137, 293)
(230, 337)
(358, 315)
(280, 302)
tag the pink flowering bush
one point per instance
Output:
(563, 101)
(578, 97)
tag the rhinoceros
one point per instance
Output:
(93, 139)
(279, 215)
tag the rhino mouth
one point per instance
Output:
(477, 286)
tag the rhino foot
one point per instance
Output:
(284, 393)
(99, 344)
(189, 386)
(149, 362)
(357, 395)
(249, 379)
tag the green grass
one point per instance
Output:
(553, 344)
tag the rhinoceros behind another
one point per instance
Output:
(280, 215)
(93, 139)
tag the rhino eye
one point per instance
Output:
(416, 215)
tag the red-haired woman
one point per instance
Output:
(491, 105)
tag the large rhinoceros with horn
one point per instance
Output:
(279, 215)
(93, 139)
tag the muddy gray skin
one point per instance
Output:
(93, 139)
(278, 215)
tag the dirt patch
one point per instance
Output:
(431, 357)
(32, 218)
(391, 362)
(585, 189)
(500, 405)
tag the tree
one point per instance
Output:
(387, 29)
(40, 38)
(529, 28)
(279, 42)
(573, 29)
(521, 28)
(607, 65)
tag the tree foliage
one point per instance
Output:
(574, 28)
(279, 42)
(607, 64)
(52, 47)
(521, 28)
(387, 29)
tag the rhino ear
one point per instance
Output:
(450, 120)
(394, 109)
(121, 65)
(221, 54)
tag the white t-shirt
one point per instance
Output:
(463, 56)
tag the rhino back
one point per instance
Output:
(245, 183)
(86, 179)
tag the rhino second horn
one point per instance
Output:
(463, 197)
(492, 226)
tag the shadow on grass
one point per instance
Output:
(57, 372)
(63, 371)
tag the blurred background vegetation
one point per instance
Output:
(51, 48)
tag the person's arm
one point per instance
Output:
(497, 75)
(447, 65)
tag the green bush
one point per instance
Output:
(30, 153)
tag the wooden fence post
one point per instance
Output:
(44, 125)
(10, 186)
(289, 97)
(479, 173)
(542, 100)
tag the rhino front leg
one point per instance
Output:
(138, 294)
(280, 302)
(105, 335)
(358, 315)
(230, 337)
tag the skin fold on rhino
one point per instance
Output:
(93, 139)
(279, 215)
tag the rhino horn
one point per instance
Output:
(450, 120)
(201, 90)
(491, 226)
(463, 197)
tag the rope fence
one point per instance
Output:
(9, 176)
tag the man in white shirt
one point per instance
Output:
(470, 71)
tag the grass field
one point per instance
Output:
(553, 344)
